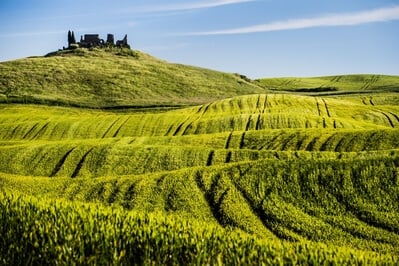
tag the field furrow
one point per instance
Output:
(80, 164)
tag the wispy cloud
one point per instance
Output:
(190, 6)
(342, 19)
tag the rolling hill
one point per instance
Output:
(101, 78)
(344, 84)
(243, 172)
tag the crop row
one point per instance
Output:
(245, 113)
(59, 232)
(351, 202)
(112, 157)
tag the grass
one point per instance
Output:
(207, 168)
(92, 234)
(334, 84)
(246, 113)
(117, 78)
(122, 78)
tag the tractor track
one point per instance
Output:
(61, 162)
(120, 127)
(80, 164)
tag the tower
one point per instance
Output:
(110, 39)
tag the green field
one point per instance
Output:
(115, 157)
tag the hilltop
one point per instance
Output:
(114, 77)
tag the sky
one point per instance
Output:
(257, 38)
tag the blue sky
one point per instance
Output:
(258, 38)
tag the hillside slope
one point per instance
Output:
(343, 84)
(112, 78)
(282, 167)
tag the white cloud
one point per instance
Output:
(191, 6)
(343, 19)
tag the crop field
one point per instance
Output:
(345, 84)
(252, 175)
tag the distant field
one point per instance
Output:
(334, 84)
(181, 165)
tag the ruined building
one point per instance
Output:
(93, 40)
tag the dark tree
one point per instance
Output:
(73, 40)
(69, 38)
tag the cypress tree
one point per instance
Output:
(73, 40)
(69, 38)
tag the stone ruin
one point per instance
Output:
(94, 40)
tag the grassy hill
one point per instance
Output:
(241, 175)
(114, 78)
(334, 84)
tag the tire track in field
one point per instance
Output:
(189, 126)
(285, 141)
(365, 85)
(258, 121)
(210, 158)
(368, 83)
(388, 118)
(205, 109)
(61, 162)
(169, 130)
(265, 104)
(366, 216)
(300, 142)
(312, 144)
(371, 101)
(228, 140)
(228, 157)
(394, 115)
(14, 131)
(256, 209)
(318, 107)
(326, 106)
(242, 140)
(128, 195)
(258, 108)
(180, 126)
(110, 127)
(324, 146)
(199, 109)
(270, 143)
(214, 203)
(113, 195)
(120, 127)
(80, 163)
(248, 123)
(194, 120)
(340, 148)
(30, 131)
(41, 130)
